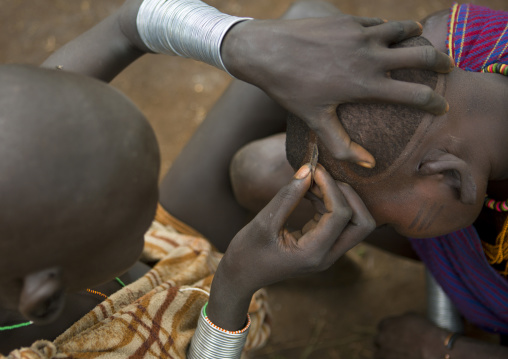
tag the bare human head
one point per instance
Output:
(432, 172)
(78, 186)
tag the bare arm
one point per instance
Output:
(103, 51)
(345, 59)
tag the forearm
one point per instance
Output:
(101, 52)
(223, 324)
(229, 302)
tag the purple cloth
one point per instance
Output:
(458, 264)
(479, 36)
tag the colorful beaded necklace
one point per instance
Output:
(24, 324)
(499, 206)
(498, 252)
(496, 69)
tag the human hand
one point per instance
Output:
(310, 66)
(409, 336)
(265, 252)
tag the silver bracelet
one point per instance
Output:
(187, 28)
(211, 342)
(440, 309)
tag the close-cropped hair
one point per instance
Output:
(382, 129)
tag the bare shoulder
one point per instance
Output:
(435, 29)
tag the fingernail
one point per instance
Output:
(365, 164)
(447, 107)
(420, 26)
(453, 62)
(303, 172)
(384, 20)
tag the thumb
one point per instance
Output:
(335, 138)
(277, 211)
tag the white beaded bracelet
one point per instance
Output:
(187, 28)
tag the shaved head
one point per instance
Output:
(383, 129)
(78, 175)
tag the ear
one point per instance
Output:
(455, 171)
(42, 298)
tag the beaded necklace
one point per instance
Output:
(496, 69)
(498, 252)
(25, 324)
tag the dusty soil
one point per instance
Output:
(331, 315)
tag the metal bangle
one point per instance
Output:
(187, 28)
(209, 342)
(440, 309)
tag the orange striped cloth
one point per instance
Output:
(154, 317)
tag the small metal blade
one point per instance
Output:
(314, 160)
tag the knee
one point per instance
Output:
(257, 171)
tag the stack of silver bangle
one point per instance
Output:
(209, 342)
(440, 309)
(187, 28)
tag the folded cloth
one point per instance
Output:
(154, 317)
(477, 36)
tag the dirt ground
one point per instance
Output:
(330, 315)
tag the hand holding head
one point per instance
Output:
(331, 60)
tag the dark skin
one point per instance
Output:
(37, 290)
(113, 44)
(82, 165)
(251, 51)
(469, 140)
(340, 222)
(264, 116)
(455, 132)
(75, 157)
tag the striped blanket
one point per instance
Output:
(154, 317)
(477, 37)
(478, 41)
